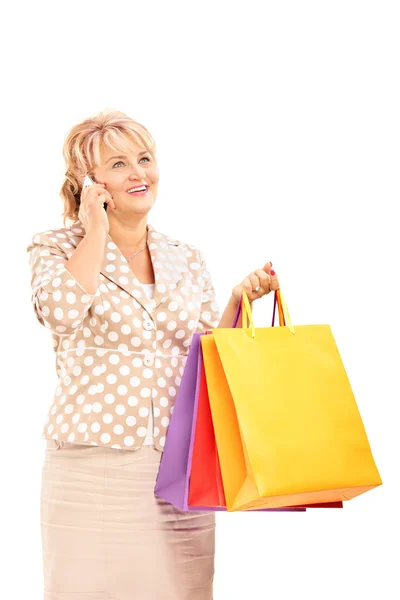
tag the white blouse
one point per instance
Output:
(149, 441)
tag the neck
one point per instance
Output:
(129, 236)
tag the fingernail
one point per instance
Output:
(272, 272)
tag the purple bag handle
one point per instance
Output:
(236, 319)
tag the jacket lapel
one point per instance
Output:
(169, 265)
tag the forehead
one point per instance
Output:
(122, 147)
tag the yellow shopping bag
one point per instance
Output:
(286, 422)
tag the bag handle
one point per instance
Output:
(245, 308)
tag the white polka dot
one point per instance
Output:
(122, 390)
(134, 381)
(105, 438)
(56, 282)
(130, 421)
(162, 441)
(115, 317)
(108, 418)
(141, 431)
(95, 427)
(118, 429)
(58, 314)
(114, 359)
(145, 392)
(143, 411)
(161, 317)
(147, 373)
(120, 409)
(109, 398)
(97, 407)
(129, 440)
(71, 298)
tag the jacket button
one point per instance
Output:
(148, 325)
(148, 361)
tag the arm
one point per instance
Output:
(209, 310)
(210, 316)
(60, 287)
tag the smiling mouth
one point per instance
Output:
(140, 193)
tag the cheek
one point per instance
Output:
(154, 174)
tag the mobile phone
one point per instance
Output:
(89, 181)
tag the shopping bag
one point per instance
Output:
(285, 415)
(205, 481)
(174, 474)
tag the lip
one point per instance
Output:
(132, 186)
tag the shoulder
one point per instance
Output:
(165, 241)
(62, 237)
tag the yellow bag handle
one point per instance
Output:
(282, 307)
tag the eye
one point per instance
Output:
(120, 161)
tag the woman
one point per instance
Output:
(122, 302)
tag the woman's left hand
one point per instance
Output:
(265, 279)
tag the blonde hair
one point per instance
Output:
(81, 151)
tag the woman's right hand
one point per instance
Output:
(91, 210)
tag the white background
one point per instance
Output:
(277, 131)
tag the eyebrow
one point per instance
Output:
(123, 156)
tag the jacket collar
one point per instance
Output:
(169, 265)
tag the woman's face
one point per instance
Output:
(122, 172)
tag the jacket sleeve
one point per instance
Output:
(59, 301)
(209, 311)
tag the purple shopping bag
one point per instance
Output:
(173, 477)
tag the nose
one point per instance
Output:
(138, 173)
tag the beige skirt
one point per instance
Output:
(106, 536)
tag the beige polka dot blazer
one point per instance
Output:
(118, 353)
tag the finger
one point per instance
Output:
(274, 281)
(265, 280)
(254, 280)
(105, 196)
(267, 267)
(109, 199)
